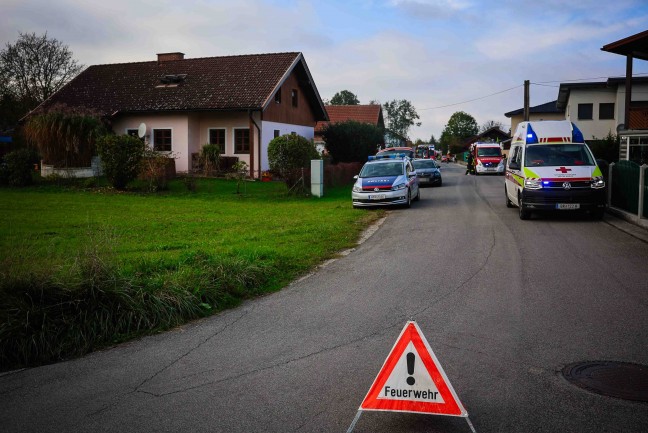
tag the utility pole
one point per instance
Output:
(526, 100)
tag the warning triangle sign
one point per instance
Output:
(412, 380)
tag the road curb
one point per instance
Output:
(628, 223)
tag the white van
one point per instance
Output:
(551, 168)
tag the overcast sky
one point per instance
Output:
(438, 54)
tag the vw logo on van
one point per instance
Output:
(566, 186)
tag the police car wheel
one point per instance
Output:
(409, 198)
(418, 194)
(524, 213)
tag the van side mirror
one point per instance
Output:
(514, 165)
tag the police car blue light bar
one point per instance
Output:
(392, 156)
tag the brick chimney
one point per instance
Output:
(167, 57)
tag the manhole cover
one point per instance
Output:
(615, 379)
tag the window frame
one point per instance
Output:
(277, 96)
(154, 144)
(236, 148)
(294, 96)
(585, 105)
(223, 147)
(608, 105)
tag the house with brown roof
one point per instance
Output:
(237, 102)
(371, 114)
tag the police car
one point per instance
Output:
(386, 180)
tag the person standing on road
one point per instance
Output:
(469, 166)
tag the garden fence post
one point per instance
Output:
(642, 177)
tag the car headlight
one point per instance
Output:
(533, 183)
(357, 188)
(598, 182)
(479, 162)
(399, 186)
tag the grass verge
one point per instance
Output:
(85, 268)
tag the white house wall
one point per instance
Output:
(596, 127)
(268, 132)
(191, 132)
(178, 124)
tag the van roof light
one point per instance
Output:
(577, 135)
(531, 137)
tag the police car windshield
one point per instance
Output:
(382, 169)
(556, 155)
(424, 163)
(488, 151)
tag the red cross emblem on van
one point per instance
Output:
(563, 169)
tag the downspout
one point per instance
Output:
(258, 142)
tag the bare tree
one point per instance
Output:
(35, 67)
(491, 124)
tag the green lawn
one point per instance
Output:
(211, 248)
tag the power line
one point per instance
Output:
(542, 83)
(471, 100)
(587, 79)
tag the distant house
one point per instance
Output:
(546, 111)
(371, 114)
(492, 135)
(237, 102)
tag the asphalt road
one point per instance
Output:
(504, 304)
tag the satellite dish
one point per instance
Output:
(141, 131)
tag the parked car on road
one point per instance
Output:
(428, 172)
(407, 151)
(386, 180)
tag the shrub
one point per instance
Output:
(156, 169)
(352, 141)
(606, 149)
(121, 157)
(288, 155)
(209, 156)
(17, 168)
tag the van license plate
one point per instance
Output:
(377, 197)
(567, 206)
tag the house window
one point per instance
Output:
(132, 132)
(162, 140)
(277, 133)
(242, 140)
(278, 96)
(606, 110)
(295, 98)
(585, 111)
(217, 136)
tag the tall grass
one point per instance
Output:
(93, 302)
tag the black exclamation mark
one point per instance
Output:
(410, 368)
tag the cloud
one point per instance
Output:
(431, 9)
